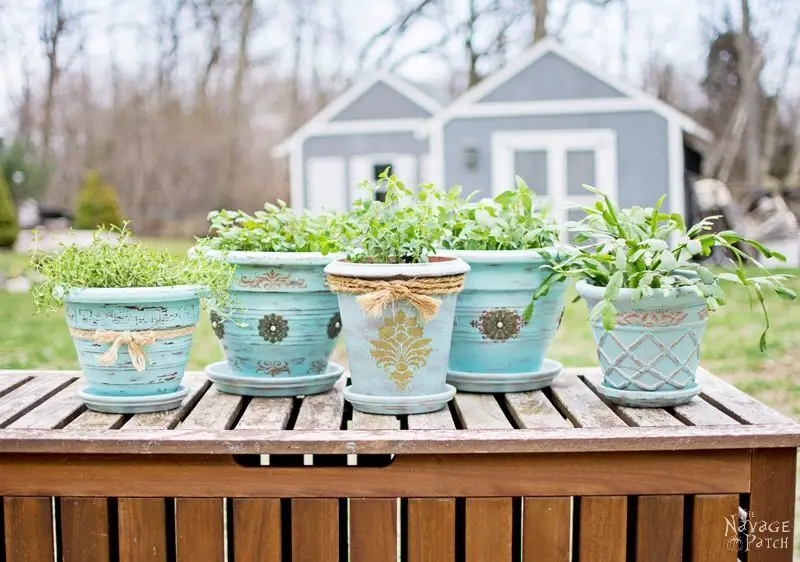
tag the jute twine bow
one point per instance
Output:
(374, 294)
(134, 340)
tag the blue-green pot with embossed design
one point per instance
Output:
(283, 327)
(494, 348)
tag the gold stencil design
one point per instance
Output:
(400, 348)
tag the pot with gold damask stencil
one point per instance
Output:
(398, 323)
(283, 328)
(495, 349)
(650, 357)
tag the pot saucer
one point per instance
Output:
(132, 404)
(648, 398)
(505, 382)
(399, 405)
(221, 375)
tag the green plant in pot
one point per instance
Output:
(397, 299)
(132, 313)
(649, 299)
(495, 349)
(278, 340)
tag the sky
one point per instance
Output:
(675, 29)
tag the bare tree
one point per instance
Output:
(751, 94)
(53, 29)
(540, 10)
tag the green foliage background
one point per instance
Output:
(97, 204)
(8, 216)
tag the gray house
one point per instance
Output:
(548, 116)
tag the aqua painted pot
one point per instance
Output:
(285, 321)
(650, 358)
(119, 387)
(398, 361)
(494, 349)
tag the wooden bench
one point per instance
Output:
(545, 476)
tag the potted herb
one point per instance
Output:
(397, 300)
(495, 349)
(278, 340)
(132, 313)
(649, 300)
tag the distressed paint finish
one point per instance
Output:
(490, 335)
(134, 310)
(285, 320)
(650, 358)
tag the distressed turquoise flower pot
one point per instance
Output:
(284, 325)
(126, 320)
(494, 349)
(649, 359)
(398, 360)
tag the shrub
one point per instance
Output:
(8, 216)
(97, 204)
(19, 161)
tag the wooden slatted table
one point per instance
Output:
(545, 476)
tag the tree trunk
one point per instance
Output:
(539, 19)
(750, 92)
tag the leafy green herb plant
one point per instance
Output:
(510, 221)
(630, 249)
(275, 229)
(112, 260)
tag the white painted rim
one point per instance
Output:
(497, 256)
(590, 292)
(450, 266)
(128, 295)
(273, 258)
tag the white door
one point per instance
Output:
(555, 164)
(326, 188)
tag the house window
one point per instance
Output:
(377, 170)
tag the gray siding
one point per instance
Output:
(381, 102)
(551, 78)
(354, 145)
(642, 149)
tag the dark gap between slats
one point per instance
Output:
(72, 417)
(683, 419)
(12, 388)
(227, 505)
(286, 530)
(500, 398)
(238, 412)
(516, 529)
(58, 539)
(123, 419)
(631, 534)
(170, 530)
(559, 406)
(613, 407)
(113, 529)
(688, 508)
(725, 410)
(454, 414)
(344, 530)
(744, 503)
(403, 421)
(403, 529)
(576, 529)
(2, 529)
(296, 403)
(461, 528)
(191, 406)
(36, 403)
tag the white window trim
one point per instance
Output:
(556, 143)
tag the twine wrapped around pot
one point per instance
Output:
(375, 294)
(134, 340)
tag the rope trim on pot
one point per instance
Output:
(375, 294)
(134, 340)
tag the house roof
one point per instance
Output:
(317, 124)
(469, 101)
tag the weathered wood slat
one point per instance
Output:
(199, 530)
(709, 525)
(55, 412)
(736, 403)
(90, 422)
(547, 523)
(700, 412)
(215, 410)
(9, 380)
(431, 530)
(603, 529)
(28, 529)
(533, 410)
(642, 417)
(772, 499)
(659, 528)
(480, 411)
(555, 440)
(20, 400)
(488, 529)
(441, 419)
(373, 421)
(315, 530)
(582, 406)
(266, 413)
(195, 382)
(142, 530)
(256, 530)
(323, 411)
(84, 530)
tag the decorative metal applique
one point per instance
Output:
(272, 280)
(273, 328)
(273, 368)
(217, 325)
(318, 366)
(400, 348)
(499, 324)
(651, 318)
(334, 325)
